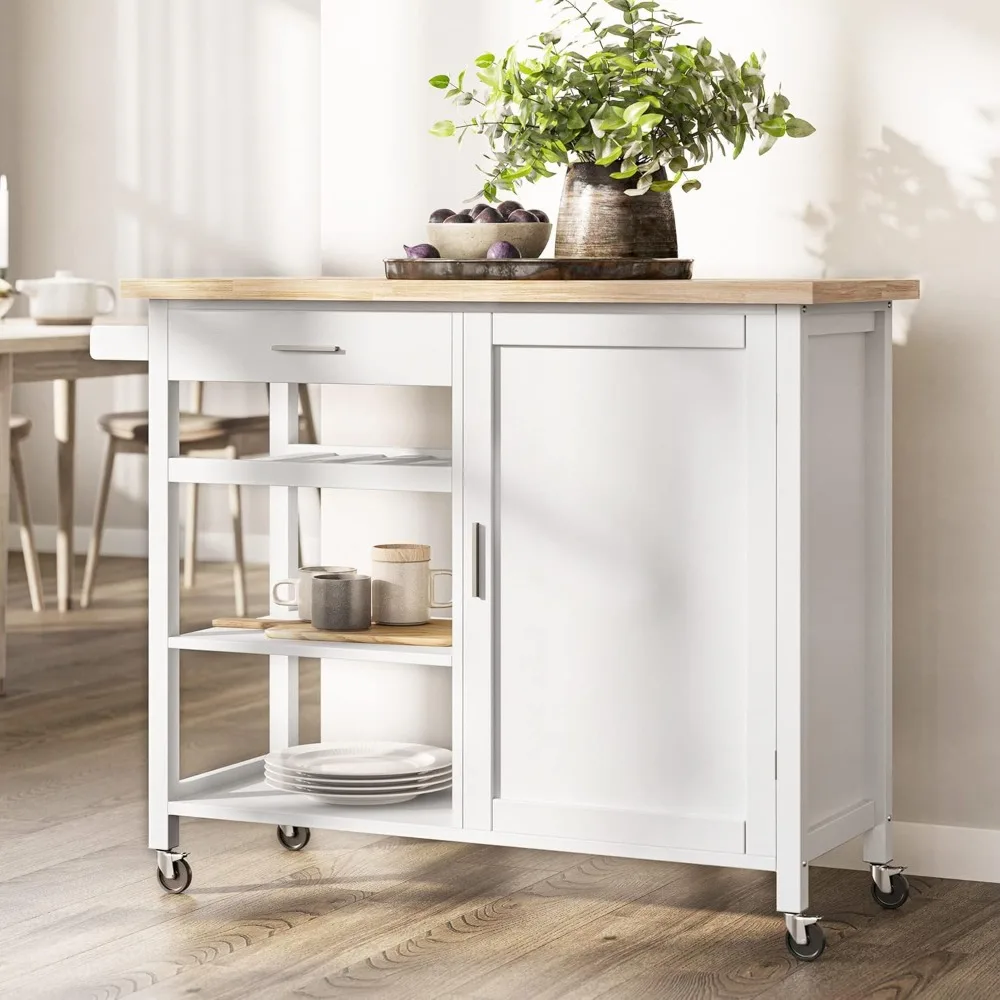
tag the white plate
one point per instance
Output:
(352, 760)
(354, 787)
(389, 779)
(305, 786)
(356, 800)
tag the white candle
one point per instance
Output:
(4, 223)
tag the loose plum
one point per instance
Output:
(441, 214)
(479, 208)
(423, 251)
(520, 215)
(503, 251)
(489, 215)
(540, 215)
(459, 219)
(506, 207)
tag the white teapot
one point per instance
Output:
(66, 299)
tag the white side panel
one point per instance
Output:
(835, 620)
(623, 563)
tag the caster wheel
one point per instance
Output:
(181, 880)
(814, 947)
(894, 899)
(297, 841)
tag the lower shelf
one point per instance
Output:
(247, 798)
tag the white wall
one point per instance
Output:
(169, 137)
(902, 178)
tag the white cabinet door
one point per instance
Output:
(632, 612)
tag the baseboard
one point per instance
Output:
(958, 852)
(213, 546)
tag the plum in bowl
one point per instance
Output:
(472, 242)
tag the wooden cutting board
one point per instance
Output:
(434, 633)
(257, 623)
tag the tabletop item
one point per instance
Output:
(436, 632)
(403, 584)
(66, 299)
(543, 269)
(342, 602)
(6, 297)
(473, 241)
(258, 624)
(364, 774)
(301, 588)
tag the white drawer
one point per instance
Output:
(354, 348)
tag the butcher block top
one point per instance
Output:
(802, 292)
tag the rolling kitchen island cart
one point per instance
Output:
(671, 545)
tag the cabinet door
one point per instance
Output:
(632, 615)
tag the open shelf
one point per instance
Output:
(240, 793)
(325, 467)
(235, 640)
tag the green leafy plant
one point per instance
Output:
(637, 99)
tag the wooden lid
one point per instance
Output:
(401, 552)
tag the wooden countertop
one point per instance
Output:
(699, 292)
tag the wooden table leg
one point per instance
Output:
(6, 386)
(64, 411)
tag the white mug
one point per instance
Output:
(301, 588)
(403, 584)
(66, 298)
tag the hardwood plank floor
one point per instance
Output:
(81, 915)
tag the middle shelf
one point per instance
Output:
(324, 467)
(234, 640)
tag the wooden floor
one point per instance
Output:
(81, 914)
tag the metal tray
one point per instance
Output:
(543, 269)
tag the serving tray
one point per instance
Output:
(542, 269)
(435, 633)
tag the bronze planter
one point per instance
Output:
(598, 219)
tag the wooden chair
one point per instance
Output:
(199, 434)
(20, 428)
(128, 433)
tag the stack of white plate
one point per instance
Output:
(360, 774)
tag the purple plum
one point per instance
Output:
(423, 251)
(441, 214)
(489, 215)
(540, 215)
(459, 219)
(520, 215)
(506, 207)
(503, 251)
(482, 206)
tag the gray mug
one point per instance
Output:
(341, 602)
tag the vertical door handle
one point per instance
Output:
(479, 561)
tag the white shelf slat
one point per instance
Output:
(246, 797)
(235, 640)
(374, 469)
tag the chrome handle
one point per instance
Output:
(306, 349)
(478, 562)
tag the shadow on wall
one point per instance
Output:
(907, 213)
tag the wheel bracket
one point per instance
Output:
(882, 874)
(166, 861)
(797, 925)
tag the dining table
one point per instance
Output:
(32, 352)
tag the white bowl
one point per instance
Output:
(471, 241)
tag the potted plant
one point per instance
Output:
(614, 94)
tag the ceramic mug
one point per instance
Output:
(66, 298)
(342, 602)
(403, 584)
(301, 588)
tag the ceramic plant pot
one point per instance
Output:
(598, 219)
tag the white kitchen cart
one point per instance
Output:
(671, 523)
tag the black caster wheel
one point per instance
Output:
(297, 841)
(181, 880)
(895, 898)
(814, 947)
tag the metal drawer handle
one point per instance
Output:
(479, 561)
(306, 349)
